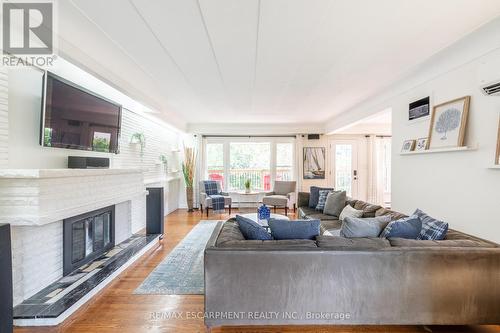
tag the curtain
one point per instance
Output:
(379, 150)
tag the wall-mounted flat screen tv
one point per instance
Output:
(75, 118)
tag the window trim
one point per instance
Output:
(226, 153)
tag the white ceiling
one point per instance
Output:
(379, 124)
(259, 61)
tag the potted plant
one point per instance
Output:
(248, 186)
(164, 161)
(188, 169)
(140, 139)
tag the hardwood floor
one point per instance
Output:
(116, 309)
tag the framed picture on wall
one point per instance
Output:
(448, 124)
(497, 157)
(419, 109)
(408, 146)
(314, 162)
(421, 144)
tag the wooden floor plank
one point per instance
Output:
(117, 310)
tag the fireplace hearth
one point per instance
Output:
(87, 237)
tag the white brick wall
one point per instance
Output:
(37, 258)
(37, 251)
(4, 119)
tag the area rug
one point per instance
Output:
(181, 273)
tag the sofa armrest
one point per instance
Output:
(303, 199)
(269, 193)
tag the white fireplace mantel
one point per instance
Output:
(31, 197)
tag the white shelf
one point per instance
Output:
(443, 150)
(497, 167)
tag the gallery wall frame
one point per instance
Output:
(449, 119)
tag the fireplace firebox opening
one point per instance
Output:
(87, 237)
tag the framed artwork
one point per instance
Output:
(419, 109)
(421, 144)
(448, 123)
(314, 160)
(497, 158)
(408, 145)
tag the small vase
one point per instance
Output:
(189, 198)
(247, 190)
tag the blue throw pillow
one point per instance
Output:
(408, 227)
(298, 229)
(432, 229)
(323, 194)
(314, 195)
(251, 230)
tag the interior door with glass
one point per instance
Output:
(345, 166)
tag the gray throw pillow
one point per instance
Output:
(348, 211)
(353, 227)
(335, 203)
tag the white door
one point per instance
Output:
(344, 162)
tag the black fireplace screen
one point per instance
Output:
(87, 236)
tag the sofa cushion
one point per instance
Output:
(331, 225)
(351, 202)
(251, 230)
(288, 244)
(408, 227)
(387, 212)
(363, 227)
(367, 208)
(432, 229)
(229, 232)
(353, 244)
(351, 212)
(298, 229)
(275, 200)
(304, 212)
(314, 195)
(402, 242)
(335, 203)
(322, 217)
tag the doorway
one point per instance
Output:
(344, 162)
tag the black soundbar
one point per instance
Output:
(83, 162)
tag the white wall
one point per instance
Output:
(24, 150)
(4, 117)
(457, 187)
(325, 141)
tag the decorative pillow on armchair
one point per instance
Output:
(251, 230)
(298, 229)
(408, 227)
(432, 229)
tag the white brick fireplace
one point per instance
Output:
(36, 201)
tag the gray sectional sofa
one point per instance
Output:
(334, 280)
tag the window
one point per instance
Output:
(261, 160)
(250, 160)
(284, 161)
(215, 162)
(343, 168)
